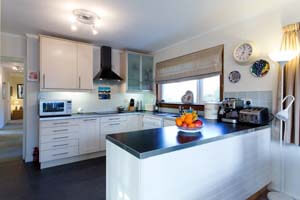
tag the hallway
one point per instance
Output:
(11, 137)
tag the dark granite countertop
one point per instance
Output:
(147, 143)
(106, 114)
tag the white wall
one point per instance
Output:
(2, 108)
(13, 46)
(31, 118)
(265, 31)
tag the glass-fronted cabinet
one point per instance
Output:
(147, 73)
(134, 71)
(139, 71)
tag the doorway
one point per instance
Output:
(11, 110)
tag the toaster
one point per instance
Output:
(254, 115)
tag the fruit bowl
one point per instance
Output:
(189, 122)
(189, 130)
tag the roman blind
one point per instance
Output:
(201, 64)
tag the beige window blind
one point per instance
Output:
(201, 64)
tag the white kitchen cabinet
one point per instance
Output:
(85, 66)
(89, 136)
(58, 63)
(65, 64)
(150, 122)
(112, 125)
(135, 123)
(58, 139)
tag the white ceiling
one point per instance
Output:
(8, 66)
(146, 25)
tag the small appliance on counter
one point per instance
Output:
(254, 115)
(120, 109)
(52, 108)
(229, 110)
(211, 110)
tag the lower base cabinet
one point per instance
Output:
(63, 139)
(150, 122)
(89, 135)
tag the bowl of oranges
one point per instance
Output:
(189, 122)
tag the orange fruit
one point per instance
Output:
(188, 119)
(192, 125)
(178, 122)
(182, 117)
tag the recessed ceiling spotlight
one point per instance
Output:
(18, 68)
(94, 31)
(86, 17)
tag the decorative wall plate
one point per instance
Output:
(234, 76)
(260, 68)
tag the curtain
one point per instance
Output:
(201, 64)
(290, 42)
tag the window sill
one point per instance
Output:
(199, 107)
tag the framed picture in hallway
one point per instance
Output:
(4, 90)
(20, 91)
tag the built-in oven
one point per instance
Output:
(51, 108)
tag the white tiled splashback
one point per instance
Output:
(90, 103)
(258, 98)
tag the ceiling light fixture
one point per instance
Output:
(85, 17)
(17, 68)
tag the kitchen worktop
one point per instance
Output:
(146, 143)
(105, 114)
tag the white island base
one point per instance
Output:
(232, 168)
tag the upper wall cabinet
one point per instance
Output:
(137, 70)
(65, 64)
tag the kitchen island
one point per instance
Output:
(222, 161)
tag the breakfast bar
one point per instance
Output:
(220, 161)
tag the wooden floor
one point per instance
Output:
(77, 181)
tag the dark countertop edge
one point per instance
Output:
(80, 116)
(182, 146)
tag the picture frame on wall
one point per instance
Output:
(4, 90)
(20, 91)
(11, 91)
(33, 76)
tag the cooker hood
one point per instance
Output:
(106, 72)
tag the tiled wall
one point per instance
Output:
(90, 103)
(258, 98)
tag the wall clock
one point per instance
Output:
(245, 53)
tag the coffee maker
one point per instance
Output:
(229, 110)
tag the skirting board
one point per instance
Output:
(64, 161)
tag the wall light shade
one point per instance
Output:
(283, 56)
(284, 114)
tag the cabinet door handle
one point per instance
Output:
(79, 82)
(60, 145)
(61, 130)
(60, 154)
(86, 120)
(58, 138)
(44, 77)
(115, 124)
(60, 123)
(111, 119)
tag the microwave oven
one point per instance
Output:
(51, 108)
